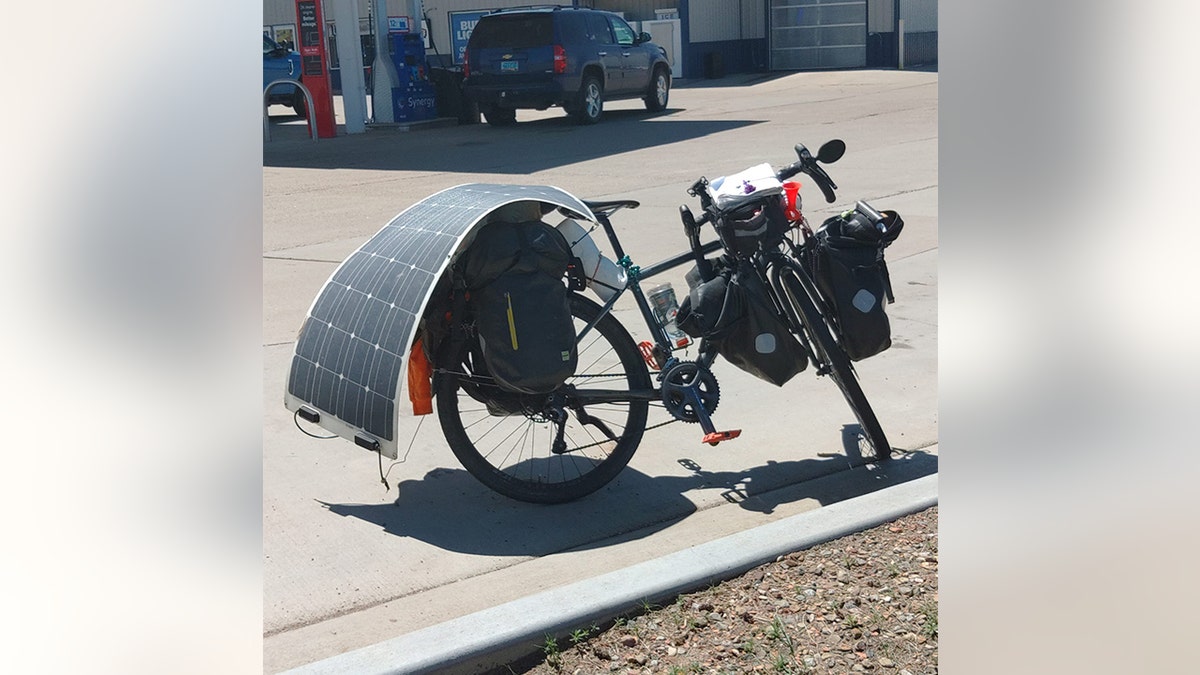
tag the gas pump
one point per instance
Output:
(414, 99)
(312, 66)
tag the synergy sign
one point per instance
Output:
(461, 25)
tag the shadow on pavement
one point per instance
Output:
(449, 509)
(524, 148)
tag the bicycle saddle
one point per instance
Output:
(611, 205)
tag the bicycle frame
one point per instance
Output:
(767, 265)
(633, 278)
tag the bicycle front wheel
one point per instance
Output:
(508, 441)
(834, 358)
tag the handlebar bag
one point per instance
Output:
(513, 273)
(849, 268)
(760, 343)
(745, 229)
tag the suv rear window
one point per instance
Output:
(515, 32)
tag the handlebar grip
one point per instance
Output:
(790, 170)
(827, 191)
(824, 181)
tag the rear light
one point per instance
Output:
(560, 60)
(466, 64)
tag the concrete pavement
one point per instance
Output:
(504, 633)
(348, 564)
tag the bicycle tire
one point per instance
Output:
(831, 354)
(607, 357)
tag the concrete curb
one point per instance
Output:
(497, 635)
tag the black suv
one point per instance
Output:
(576, 58)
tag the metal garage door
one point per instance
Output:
(809, 34)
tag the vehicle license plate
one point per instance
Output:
(509, 65)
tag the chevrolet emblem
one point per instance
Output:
(506, 57)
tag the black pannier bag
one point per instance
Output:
(709, 309)
(735, 312)
(848, 266)
(760, 343)
(748, 227)
(513, 273)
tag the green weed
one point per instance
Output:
(930, 610)
(550, 649)
(776, 631)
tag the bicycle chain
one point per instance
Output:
(598, 443)
(489, 380)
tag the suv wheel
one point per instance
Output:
(300, 104)
(500, 117)
(660, 89)
(591, 101)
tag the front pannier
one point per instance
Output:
(848, 265)
(735, 313)
(513, 273)
(760, 343)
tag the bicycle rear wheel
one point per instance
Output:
(834, 360)
(507, 440)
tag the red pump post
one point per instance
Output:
(312, 66)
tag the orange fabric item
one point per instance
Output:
(420, 380)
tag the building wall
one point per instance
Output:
(920, 28)
(633, 10)
(920, 31)
(722, 20)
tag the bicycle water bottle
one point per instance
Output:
(666, 308)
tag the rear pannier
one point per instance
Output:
(513, 273)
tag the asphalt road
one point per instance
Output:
(348, 563)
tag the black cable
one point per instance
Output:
(296, 419)
(382, 475)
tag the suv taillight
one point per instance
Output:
(466, 64)
(560, 60)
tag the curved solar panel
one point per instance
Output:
(352, 351)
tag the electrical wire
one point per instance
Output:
(296, 419)
(383, 476)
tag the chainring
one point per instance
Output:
(676, 380)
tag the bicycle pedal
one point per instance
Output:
(718, 436)
(653, 357)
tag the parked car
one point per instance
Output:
(572, 57)
(280, 63)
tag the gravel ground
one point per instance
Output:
(866, 603)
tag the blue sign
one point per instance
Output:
(398, 24)
(461, 25)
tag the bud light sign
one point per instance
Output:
(461, 25)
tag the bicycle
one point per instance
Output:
(560, 447)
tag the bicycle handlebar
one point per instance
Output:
(789, 171)
(808, 164)
(829, 153)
